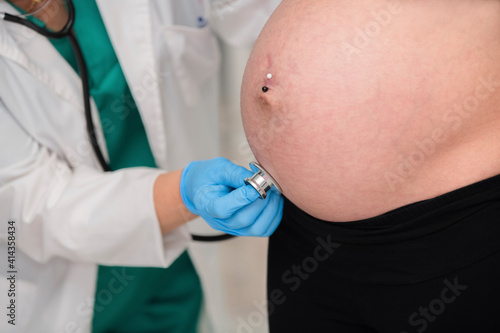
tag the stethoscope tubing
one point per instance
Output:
(67, 31)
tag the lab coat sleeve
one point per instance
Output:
(80, 214)
(239, 22)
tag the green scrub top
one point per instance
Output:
(146, 299)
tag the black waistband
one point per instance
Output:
(419, 241)
(411, 221)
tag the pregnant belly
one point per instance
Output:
(376, 104)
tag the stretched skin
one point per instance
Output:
(375, 104)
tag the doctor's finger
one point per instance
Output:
(225, 206)
(247, 215)
(234, 175)
(269, 218)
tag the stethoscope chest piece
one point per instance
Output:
(261, 181)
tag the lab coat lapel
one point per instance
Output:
(128, 23)
(35, 53)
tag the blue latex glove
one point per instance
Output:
(216, 191)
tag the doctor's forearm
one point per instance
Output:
(170, 209)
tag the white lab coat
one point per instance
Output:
(69, 215)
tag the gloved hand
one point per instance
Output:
(216, 191)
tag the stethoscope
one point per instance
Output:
(261, 180)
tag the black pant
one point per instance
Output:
(432, 266)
